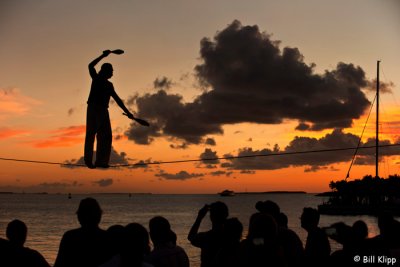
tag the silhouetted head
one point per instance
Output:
(116, 234)
(137, 239)
(218, 212)
(360, 230)
(262, 226)
(309, 218)
(268, 207)
(343, 233)
(282, 220)
(16, 232)
(160, 231)
(233, 230)
(106, 71)
(385, 221)
(89, 212)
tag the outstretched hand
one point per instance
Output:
(129, 115)
(106, 52)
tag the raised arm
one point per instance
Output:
(196, 225)
(92, 64)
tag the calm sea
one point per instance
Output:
(49, 216)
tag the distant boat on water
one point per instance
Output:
(227, 193)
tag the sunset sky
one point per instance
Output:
(214, 79)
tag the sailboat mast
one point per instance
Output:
(377, 123)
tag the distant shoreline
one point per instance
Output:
(271, 192)
(135, 194)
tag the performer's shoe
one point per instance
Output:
(103, 166)
(90, 165)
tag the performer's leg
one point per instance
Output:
(91, 129)
(104, 140)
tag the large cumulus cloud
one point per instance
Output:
(249, 78)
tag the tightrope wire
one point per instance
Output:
(143, 164)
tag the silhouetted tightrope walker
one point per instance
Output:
(98, 125)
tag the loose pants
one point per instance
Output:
(98, 125)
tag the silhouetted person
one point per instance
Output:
(389, 230)
(229, 254)
(344, 235)
(388, 241)
(131, 244)
(282, 220)
(317, 249)
(137, 246)
(4, 252)
(165, 253)
(261, 247)
(97, 118)
(360, 234)
(289, 240)
(209, 242)
(116, 236)
(18, 255)
(87, 246)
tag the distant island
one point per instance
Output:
(271, 192)
(367, 196)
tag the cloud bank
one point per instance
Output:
(313, 161)
(115, 159)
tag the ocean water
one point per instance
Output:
(49, 216)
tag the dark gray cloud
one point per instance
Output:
(143, 135)
(219, 173)
(43, 187)
(115, 159)
(182, 175)
(384, 87)
(208, 157)
(162, 83)
(251, 79)
(59, 185)
(313, 161)
(71, 111)
(315, 168)
(170, 116)
(184, 145)
(210, 141)
(303, 126)
(247, 172)
(104, 182)
(142, 164)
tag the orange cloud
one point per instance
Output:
(64, 137)
(70, 131)
(6, 133)
(14, 103)
(58, 142)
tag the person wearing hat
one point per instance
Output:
(87, 246)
